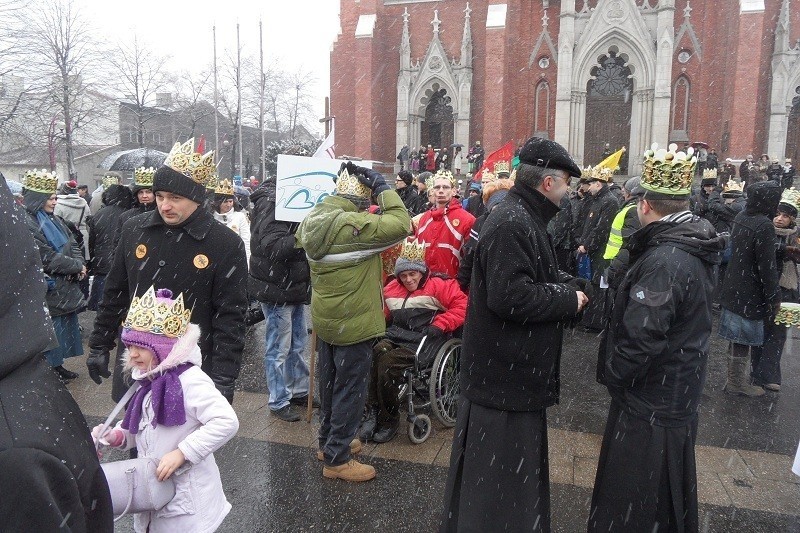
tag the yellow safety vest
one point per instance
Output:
(614, 244)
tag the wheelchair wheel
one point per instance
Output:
(419, 429)
(444, 387)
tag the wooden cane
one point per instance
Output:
(311, 372)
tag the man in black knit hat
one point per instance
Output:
(181, 248)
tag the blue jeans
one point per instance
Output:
(287, 372)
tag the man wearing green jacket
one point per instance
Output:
(343, 244)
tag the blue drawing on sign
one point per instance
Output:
(300, 195)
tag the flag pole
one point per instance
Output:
(239, 90)
(261, 102)
(216, 98)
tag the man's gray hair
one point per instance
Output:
(533, 176)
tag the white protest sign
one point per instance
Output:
(303, 182)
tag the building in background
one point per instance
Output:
(581, 72)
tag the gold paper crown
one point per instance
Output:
(109, 180)
(211, 184)
(351, 186)
(488, 177)
(224, 187)
(732, 186)
(429, 183)
(602, 173)
(41, 181)
(149, 315)
(445, 174)
(710, 174)
(502, 166)
(791, 197)
(586, 173)
(668, 172)
(196, 166)
(143, 177)
(413, 250)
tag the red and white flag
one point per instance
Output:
(326, 148)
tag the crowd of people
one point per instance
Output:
(507, 268)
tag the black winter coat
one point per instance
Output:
(750, 287)
(721, 214)
(279, 272)
(412, 200)
(197, 259)
(518, 299)
(658, 338)
(64, 296)
(600, 214)
(464, 275)
(50, 478)
(560, 227)
(104, 228)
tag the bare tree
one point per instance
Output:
(12, 91)
(298, 103)
(191, 103)
(230, 81)
(59, 46)
(141, 74)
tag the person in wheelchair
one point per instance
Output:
(418, 305)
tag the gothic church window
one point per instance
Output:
(542, 108)
(680, 108)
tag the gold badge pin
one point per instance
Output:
(456, 222)
(200, 261)
(141, 251)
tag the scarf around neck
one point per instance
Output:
(55, 237)
(789, 276)
(167, 399)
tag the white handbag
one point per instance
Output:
(133, 483)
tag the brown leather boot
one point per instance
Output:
(355, 449)
(350, 471)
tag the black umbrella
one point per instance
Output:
(130, 160)
(456, 145)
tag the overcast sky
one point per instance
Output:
(298, 33)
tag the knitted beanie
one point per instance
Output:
(404, 265)
(160, 345)
(168, 180)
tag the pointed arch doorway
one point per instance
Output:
(437, 127)
(792, 150)
(609, 108)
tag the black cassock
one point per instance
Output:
(498, 478)
(646, 477)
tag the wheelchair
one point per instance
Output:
(436, 387)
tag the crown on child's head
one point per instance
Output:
(156, 313)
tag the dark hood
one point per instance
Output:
(24, 321)
(118, 195)
(763, 198)
(33, 200)
(265, 191)
(696, 237)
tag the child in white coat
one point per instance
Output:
(176, 416)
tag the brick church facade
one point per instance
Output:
(581, 72)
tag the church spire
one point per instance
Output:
(435, 23)
(782, 30)
(466, 40)
(405, 44)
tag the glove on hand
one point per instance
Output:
(112, 437)
(372, 179)
(97, 363)
(583, 285)
(433, 331)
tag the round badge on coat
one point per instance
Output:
(141, 251)
(456, 222)
(200, 261)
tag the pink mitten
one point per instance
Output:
(113, 437)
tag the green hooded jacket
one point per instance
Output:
(343, 246)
